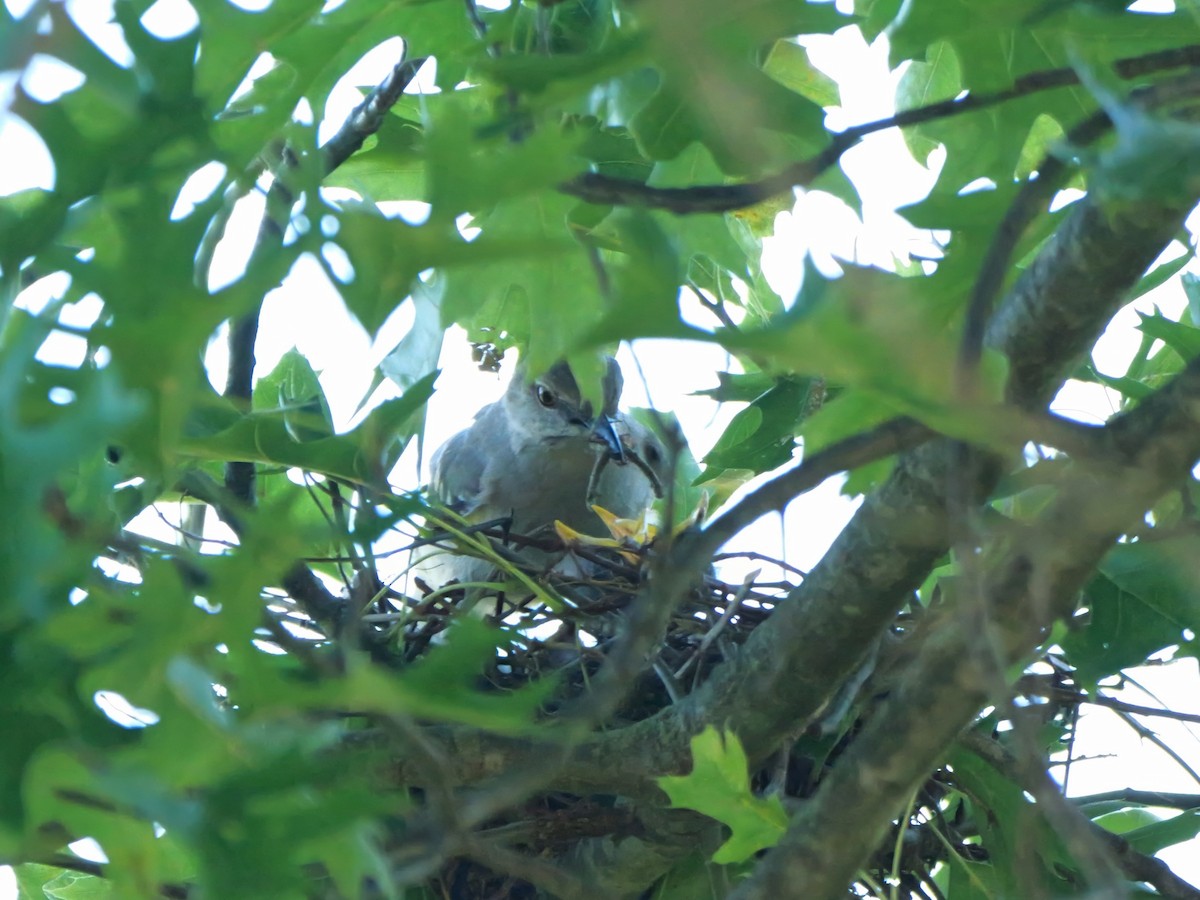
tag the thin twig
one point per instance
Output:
(609, 190)
(1134, 865)
(1149, 735)
(762, 557)
(364, 121)
(1121, 706)
(730, 609)
(884, 440)
(716, 307)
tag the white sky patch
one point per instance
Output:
(121, 711)
(95, 19)
(47, 79)
(170, 19)
(198, 188)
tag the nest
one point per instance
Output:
(591, 588)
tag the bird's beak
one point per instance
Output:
(605, 432)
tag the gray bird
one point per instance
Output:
(531, 454)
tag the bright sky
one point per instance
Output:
(306, 312)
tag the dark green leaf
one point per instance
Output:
(1142, 601)
(1183, 339)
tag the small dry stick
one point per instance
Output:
(747, 583)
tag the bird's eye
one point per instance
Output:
(545, 396)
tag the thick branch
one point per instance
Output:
(818, 637)
(1034, 581)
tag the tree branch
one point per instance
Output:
(368, 116)
(364, 121)
(710, 198)
(819, 635)
(1033, 581)
(239, 493)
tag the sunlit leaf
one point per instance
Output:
(719, 786)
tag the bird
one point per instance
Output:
(530, 457)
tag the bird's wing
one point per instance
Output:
(457, 471)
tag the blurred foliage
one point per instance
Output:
(223, 776)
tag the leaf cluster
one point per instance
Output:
(249, 700)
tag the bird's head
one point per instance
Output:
(552, 407)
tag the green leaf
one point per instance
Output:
(1045, 134)
(704, 240)
(387, 256)
(719, 787)
(739, 387)
(31, 877)
(293, 389)
(519, 272)
(77, 886)
(1004, 817)
(1182, 338)
(34, 553)
(390, 165)
(642, 274)
(1162, 273)
(443, 686)
(1150, 839)
(363, 456)
(28, 220)
(762, 436)
(881, 334)
(923, 83)
(555, 78)
(610, 150)
(711, 65)
(1127, 819)
(471, 169)
(1142, 600)
(789, 64)
(354, 855)
(1131, 388)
